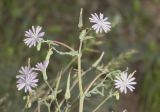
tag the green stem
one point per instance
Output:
(59, 110)
(39, 106)
(75, 83)
(81, 101)
(48, 106)
(64, 45)
(102, 102)
(48, 85)
(79, 70)
(95, 79)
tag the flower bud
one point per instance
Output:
(39, 46)
(24, 97)
(116, 95)
(52, 97)
(29, 104)
(68, 94)
(80, 24)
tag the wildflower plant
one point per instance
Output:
(108, 82)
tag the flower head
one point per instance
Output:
(27, 79)
(125, 81)
(34, 36)
(41, 66)
(100, 23)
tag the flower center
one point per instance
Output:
(125, 83)
(27, 82)
(100, 22)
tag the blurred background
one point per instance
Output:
(136, 25)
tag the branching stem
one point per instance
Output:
(64, 45)
(81, 101)
(94, 80)
(102, 102)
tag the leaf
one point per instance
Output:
(82, 35)
(71, 53)
(88, 37)
(98, 60)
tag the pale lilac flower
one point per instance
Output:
(27, 79)
(34, 36)
(100, 23)
(41, 66)
(125, 81)
(124, 110)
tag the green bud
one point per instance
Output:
(29, 104)
(68, 94)
(88, 37)
(52, 97)
(39, 46)
(80, 24)
(117, 95)
(57, 83)
(50, 52)
(24, 97)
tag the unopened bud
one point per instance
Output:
(24, 97)
(52, 97)
(117, 95)
(29, 105)
(80, 24)
(39, 46)
(68, 94)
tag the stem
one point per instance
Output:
(48, 106)
(90, 85)
(94, 80)
(81, 101)
(64, 45)
(79, 70)
(75, 83)
(102, 102)
(48, 85)
(39, 106)
(59, 110)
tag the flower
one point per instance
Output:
(100, 23)
(27, 79)
(34, 36)
(124, 110)
(41, 66)
(125, 81)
